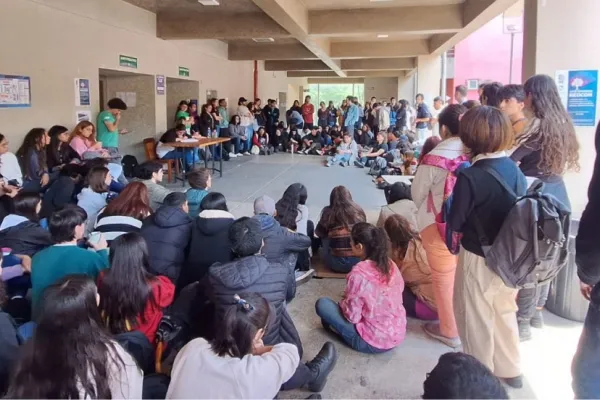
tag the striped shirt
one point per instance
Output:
(114, 226)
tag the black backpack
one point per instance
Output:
(129, 164)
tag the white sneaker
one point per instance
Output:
(304, 276)
(232, 155)
(247, 154)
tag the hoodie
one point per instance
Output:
(167, 233)
(92, 203)
(209, 244)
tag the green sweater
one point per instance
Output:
(55, 262)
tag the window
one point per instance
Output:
(335, 92)
(472, 84)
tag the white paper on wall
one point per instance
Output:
(130, 98)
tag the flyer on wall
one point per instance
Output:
(15, 91)
(578, 91)
(82, 92)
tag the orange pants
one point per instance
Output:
(443, 269)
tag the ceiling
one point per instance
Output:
(340, 38)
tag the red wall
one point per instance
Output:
(485, 55)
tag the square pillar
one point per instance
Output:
(429, 77)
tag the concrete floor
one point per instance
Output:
(400, 373)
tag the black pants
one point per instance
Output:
(586, 363)
(530, 299)
(301, 378)
(303, 262)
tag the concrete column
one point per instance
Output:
(406, 88)
(429, 75)
(553, 40)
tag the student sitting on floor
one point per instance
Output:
(67, 227)
(93, 198)
(167, 233)
(334, 227)
(61, 193)
(151, 173)
(346, 153)
(260, 143)
(313, 142)
(251, 272)
(399, 201)
(58, 152)
(292, 212)
(370, 317)
(374, 155)
(200, 181)
(236, 363)
(461, 376)
(409, 255)
(70, 354)
(21, 231)
(32, 157)
(131, 298)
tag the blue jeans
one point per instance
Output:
(116, 187)
(26, 330)
(337, 264)
(333, 320)
(191, 156)
(249, 134)
(338, 158)
(236, 146)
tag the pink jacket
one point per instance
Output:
(374, 305)
(80, 145)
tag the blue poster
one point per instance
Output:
(160, 84)
(583, 97)
(82, 92)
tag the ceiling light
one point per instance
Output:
(264, 40)
(209, 2)
(382, 36)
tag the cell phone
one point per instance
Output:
(14, 182)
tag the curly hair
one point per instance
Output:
(554, 135)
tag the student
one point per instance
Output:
(10, 339)
(207, 121)
(430, 144)
(224, 117)
(547, 148)
(322, 115)
(402, 117)
(374, 156)
(237, 133)
(295, 120)
(167, 233)
(308, 111)
(428, 191)
(32, 158)
(334, 227)
(399, 201)
(246, 121)
(512, 103)
(151, 173)
(51, 366)
(292, 212)
(313, 143)
(108, 126)
(460, 94)
(438, 107)
(58, 152)
(282, 245)
(271, 113)
(210, 239)
(10, 170)
(125, 213)
(93, 198)
(165, 152)
(200, 181)
(253, 369)
(461, 376)
(260, 143)
(383, 117)
(351, 116)
(131, 298)
(61, 192)
(251, 272)
(410, 257)
(490, 333)
(331, 114)
(471, 104)
(490, 94)
(67, 227)
(345, 154)
(214, 113)
(182, 110)
(423, 117)
(370, 317)
(21, 231)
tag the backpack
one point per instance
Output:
(129, 164)
(451, 165)
(532, 245)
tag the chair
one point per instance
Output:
(150, 149)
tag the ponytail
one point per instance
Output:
(376, 244)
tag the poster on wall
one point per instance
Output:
(160, 85)
(82, 92)
(83, 115)
(15, 91)
(130, 98)
(578, 90)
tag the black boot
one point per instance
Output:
(516, 382)
(321, 366)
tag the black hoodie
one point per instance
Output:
(26, 238)
(167, 233)
(209, 244)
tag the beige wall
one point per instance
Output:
(178, 90)
(69, 39)
(271, 83)
(429, 77)
(382, 88)
(406, 88)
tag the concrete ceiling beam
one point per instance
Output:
(350, 74)
(336, 80)
(381, 49)
(294, 51)
(296, 65)
(372, 64)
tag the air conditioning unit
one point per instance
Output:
(472, 84)
(264, 40)
(209, 2)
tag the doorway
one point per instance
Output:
(178, 90)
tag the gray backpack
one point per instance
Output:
(531, 247)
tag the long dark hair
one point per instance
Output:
(450, 118)
(555, 135)
(343, 211)
(237, 327)
(25, 204)
(287, 206)
(376, 244)
(35, 141)
(53, 151)
(401, 235)
(69, 355)
(133, 202)
(125, 288)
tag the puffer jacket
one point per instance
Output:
(255, 274)
(167, 233)
(209, 244)
(26, 238)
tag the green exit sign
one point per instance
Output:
(183, 71)
(127, 61)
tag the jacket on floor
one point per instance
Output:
(26, 238)
(167, 233)
(255, 274)
(209, 244)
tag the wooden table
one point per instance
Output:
(202, 142)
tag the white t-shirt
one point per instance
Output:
(435, 114)
(10, 169)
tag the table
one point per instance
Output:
(202, 142)
(391, 179)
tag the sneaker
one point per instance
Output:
(359, 164)
(304, 276)
(320, 152)
(524, 331)
(321, 366)
(433, 330)
(247, 153)
(328, 164)
(232, 155)
(516, 382)
(538, 320)
(343, 164)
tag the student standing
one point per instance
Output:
(323, 115)
(460, 94)
(308, 113)
(108, 126)
(370, 317)
(224, 117)
(351, 116)
(423, 117)
(484, 306)
(512, 103)
(331, 115)
(246, 121)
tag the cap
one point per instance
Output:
(242, 100)
(264, 205)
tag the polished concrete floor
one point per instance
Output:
(400, 373)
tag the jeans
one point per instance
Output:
(333, 320)
(422, 134)
(26, 330)
(191, 156)
(116, 187)
(235, 146)
(585, 368)
(342, 265)
(249, 134)
(350, 130)
(338, 158)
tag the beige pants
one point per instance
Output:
(485, 311)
